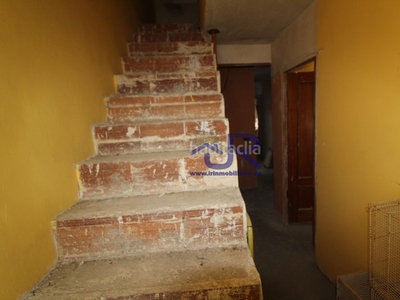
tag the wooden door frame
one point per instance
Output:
(286, 140)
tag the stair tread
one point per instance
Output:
(126, 206)
(175, 43)
(186, 94)
(157, 121)
(169, 48)
(137, 157)
(165, 57)
(152, 275)
(165, 83)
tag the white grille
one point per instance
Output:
(353, 286)
(384, 254)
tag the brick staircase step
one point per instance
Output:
(170, 48)
(167, 83)
(159, 37)
(181, 27)
(201, 274)
(112, 176)
(160, 107)
(130, 138)
(134, 226)
(175, 63)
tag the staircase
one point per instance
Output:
(144, 228)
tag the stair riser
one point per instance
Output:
(120, 179)
(157, 137)
(124, 148)
(151, 28)
(170, 112)
(183, 48)
(183, 129)
(169, 63)
(131, 109)
(139, 234)
(252, 292)
(168, 37)
(173, 86)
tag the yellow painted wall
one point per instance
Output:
(57, 60)
(358, 126)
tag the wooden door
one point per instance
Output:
(301, 146)
(237, 85)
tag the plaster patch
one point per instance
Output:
(206, 127)
(182, 171)
(131, 131)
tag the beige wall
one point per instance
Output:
(169, 12)
(358, 150)
(57, 62)
(296, 44)
(254, 53)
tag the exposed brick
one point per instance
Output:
(164, 86)
(196, 85)
(183, 36)
(130, 109)
(126, 100)
(166, 145)
(103, 178)
(128, 114)
(206, 127)
(169, 63)
(162, 130)
(169, 111)
(195, 164)
(151, 37)
(119, 148)
(170, 48)
(136, 233)
(206, 110)
(116, 132)
(135, 87)
(204, 98)
(169, 28)
(170, 99)
(157, 171)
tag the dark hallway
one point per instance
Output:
(284, 254)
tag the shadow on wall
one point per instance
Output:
(262, 85)
(177, 11)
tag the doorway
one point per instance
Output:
(248, 107)
(301, 143)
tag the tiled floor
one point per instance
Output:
(284, 254)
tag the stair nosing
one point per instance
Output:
(125, 123)
(167, 273)
(185, 74)
(137, 157)
(151, 204)
(169, 56)
(205, 93)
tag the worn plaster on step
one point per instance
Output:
(131, 131)
(205, 127)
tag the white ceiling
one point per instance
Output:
(241, 21)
